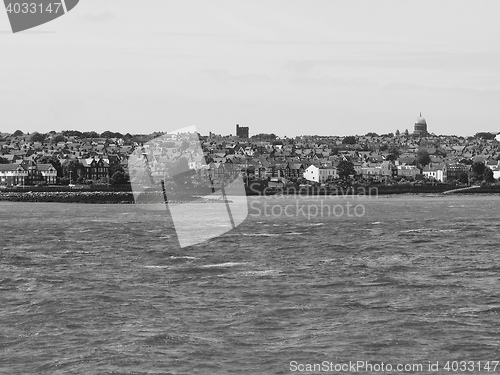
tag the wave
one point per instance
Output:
(261, 273)
(223, 265)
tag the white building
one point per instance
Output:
(436, 172)
(320, 174)
(13, 174)
(408, 171)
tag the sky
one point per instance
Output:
(289, 67)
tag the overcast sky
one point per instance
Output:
(283, 66)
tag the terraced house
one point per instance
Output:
(13, 174)
(95, 169)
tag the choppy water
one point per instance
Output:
(105, 289)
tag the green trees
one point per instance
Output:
(485, 135)
(463, 177)
(72, 133)
(349, 140)
(481, 172)
(478, 168)
(72, 168)
(185, 145)
(119, 178)
(423, 158)
(393, 153)
(488, 176)
(91, 134)
(345, 169)
(58, 138)
(110, 134)
(37, 137)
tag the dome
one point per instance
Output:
(421, 120)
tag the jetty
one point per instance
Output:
(461, 190)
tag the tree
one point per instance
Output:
(463, 177)
(3, 161)
(349, 140)
(397, 133)
(180, 173)
(485, 135)
(72, 167)
(91, 134)
(423, 158)
(478, 168)
(371, 134)
(72, 133)
(110, 134)
(185, 145)
(58, 138)
(37, 137)
(393, 153)
(119, 178)
(18, 133)
(263, 137)
(345, 169)
(488, 175)
(406, 132)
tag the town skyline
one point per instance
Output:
(336, 67)
(411, 131)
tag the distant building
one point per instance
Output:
(48, 173)
(242, 131)
(95, 169)
(437, 172)
(13, 174)
(320, 174)
(420, 126)
(455, 171)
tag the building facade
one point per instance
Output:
(420, 128)
(13, 174)
(242, 131)
(320, 174)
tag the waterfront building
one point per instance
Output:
(320, 174)
(437, 172)
(408, 171)
(455, 170)
(48, 173)
(13, 174)
(95, 169)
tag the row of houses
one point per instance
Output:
(441, 172)
(27, 174)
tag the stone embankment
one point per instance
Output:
(69, 197)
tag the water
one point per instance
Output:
(105, 289)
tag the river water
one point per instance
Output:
(106, 289)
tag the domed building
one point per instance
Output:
(420, 126)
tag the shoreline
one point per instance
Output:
(121, 197)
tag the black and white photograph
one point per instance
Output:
(249, 187)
